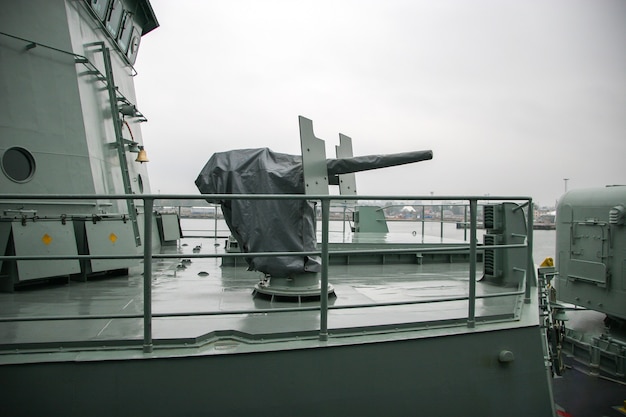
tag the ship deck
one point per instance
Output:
(200, 300)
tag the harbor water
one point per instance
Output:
(399, 231)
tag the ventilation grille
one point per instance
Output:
(491, 217)
(616, 215)
(489, 259)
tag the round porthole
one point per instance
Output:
(18, 164)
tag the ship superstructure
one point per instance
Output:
(70, 125)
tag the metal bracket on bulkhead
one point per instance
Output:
(346, 182)
(313, 159)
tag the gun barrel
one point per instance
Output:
(367, 162)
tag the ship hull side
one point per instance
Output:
(436, 376)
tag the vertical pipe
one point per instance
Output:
(530, 267)
(465, 223)
(324, 283)
(471, 315)
(441, 223)
(344, 222)
(423, 213)
(147, 275)
(178, 241)
(215, 223)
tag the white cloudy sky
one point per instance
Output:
(511, 96)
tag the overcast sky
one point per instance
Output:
(511, 96)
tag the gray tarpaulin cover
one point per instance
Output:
(278, 225)
(264, 225)
(362, 163)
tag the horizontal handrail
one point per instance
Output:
(259, 254)
(249, 197)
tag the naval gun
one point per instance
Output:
(285, 225)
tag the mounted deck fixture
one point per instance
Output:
(506, 226)
(142, 156)
(275, 225)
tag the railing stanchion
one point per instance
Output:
(465, 223)
(324, 283)
(344, 222)
(423, 213)
(441, 222)
(147, 275)
(471, 315)
(530, 267)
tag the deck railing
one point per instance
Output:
(324, 253)
(436, 215)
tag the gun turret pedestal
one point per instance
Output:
(299, 288)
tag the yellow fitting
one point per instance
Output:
(547, 262)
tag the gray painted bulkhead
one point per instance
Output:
(436, 376)
(591, 249)
(54, 109)
(59, 112)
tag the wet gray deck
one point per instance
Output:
(178, 290)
